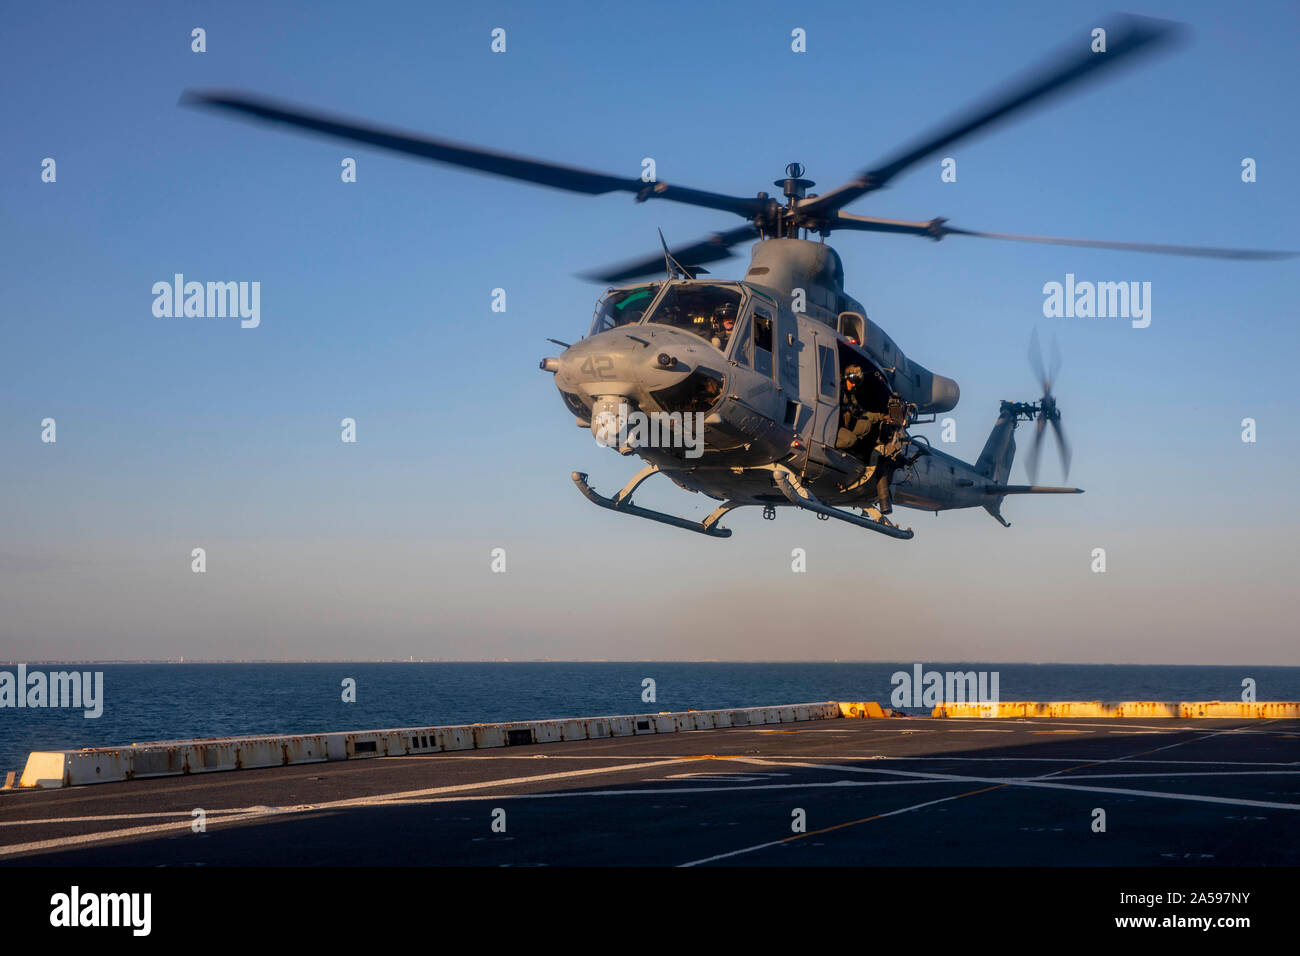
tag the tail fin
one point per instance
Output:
(995, 460)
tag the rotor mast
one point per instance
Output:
(795, 188)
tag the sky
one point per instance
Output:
(180, 433)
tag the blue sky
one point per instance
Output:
(181, 433)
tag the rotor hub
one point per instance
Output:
(794, 185)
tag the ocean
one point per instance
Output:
(143, 702)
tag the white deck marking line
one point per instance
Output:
(1044, 783)
(1129, 758)
(1016, 782)
(188, 814)
(666, 791)
(901, 730)
(1177, 773)
(100, 836)
(764, 846)
(859, 756)
(927, 778)
(1159, 795)
(1076, 759)
(88, 838)
(1179, 743)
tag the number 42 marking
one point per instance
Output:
(602, 367)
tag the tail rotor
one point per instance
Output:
(1046, 412)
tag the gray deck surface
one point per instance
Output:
(893, 792)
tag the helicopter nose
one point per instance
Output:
(628, 362)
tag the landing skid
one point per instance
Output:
(622, 502)
(786, 480)
(790, 485)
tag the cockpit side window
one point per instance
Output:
(744, 354)
(762, 341)
(826, 357)
(709, 311)
(622, 307)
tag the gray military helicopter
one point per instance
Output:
(802, 400)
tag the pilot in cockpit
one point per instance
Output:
(723, 323)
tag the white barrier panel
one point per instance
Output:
(545, 731)
(489, 735)
(622, 726)
(703, 720)
(43, 770)
(336, 746)
(573, 730)
(74, 768)
(363, 746)
(455, 738)
(644, 724)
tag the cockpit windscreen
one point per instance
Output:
(709, 311)
(622, 307)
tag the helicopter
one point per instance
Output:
(793, 395)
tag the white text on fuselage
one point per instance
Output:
(629, 429)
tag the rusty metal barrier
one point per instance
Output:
(1128, 708)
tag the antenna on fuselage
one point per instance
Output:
(670, 264)
(675, 269)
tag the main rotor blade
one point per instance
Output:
(938, 228)
(536, 171)
(1205, 252)
(1125, 37)
(710, 249)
